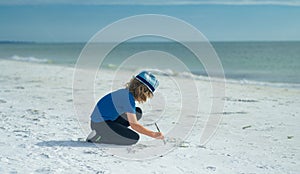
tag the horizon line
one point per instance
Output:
(70, 42)
(155, 3)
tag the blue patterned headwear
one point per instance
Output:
(148, 79)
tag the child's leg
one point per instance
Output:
(139, 113)
(122, 119)
(121, 135)
(114, 133)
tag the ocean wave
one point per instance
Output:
(190, 75)
(30, 59)
(112, 66)
(197, 76)
(261, 83)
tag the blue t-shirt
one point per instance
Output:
(112, 105)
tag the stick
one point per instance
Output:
(159, 131)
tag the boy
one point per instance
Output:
(116, 111)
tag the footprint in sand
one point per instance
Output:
(70, 100)
(33, 111)
(2, 101)
(19, 87)
(212, 168)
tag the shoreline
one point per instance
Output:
(168, 72)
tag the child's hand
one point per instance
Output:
(158, 135)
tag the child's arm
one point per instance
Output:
(141, 129)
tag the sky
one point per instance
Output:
(218, 20)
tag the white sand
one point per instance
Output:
(39, 129)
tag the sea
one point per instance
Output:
(262, 63)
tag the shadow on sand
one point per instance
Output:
(66, 143)
(72, 143)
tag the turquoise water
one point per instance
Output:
(272, 62)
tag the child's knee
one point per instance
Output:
(134, 139)
(136, 136)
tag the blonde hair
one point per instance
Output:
(139, 91)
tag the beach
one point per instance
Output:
(258, 133)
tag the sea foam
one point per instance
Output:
(190, 75)
(30, 59)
